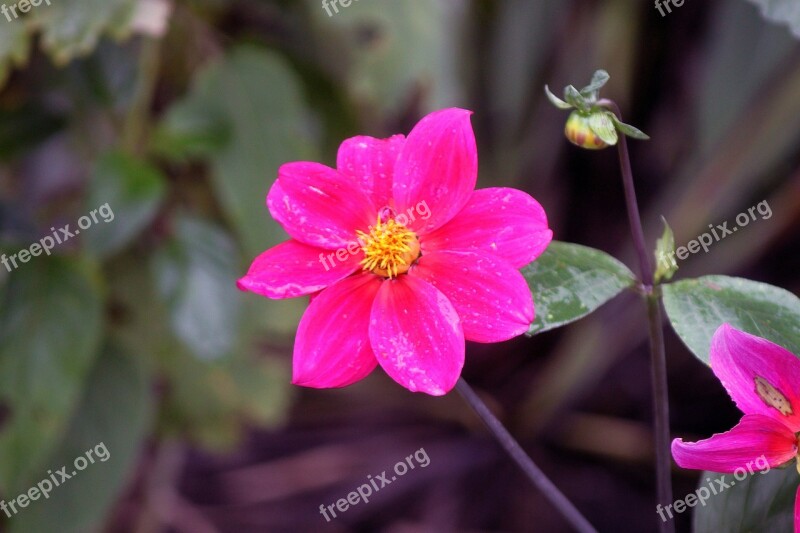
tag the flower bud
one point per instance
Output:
(579, 132)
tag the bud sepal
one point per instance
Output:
(591, 125)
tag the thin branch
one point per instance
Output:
(533, 472)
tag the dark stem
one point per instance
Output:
(657, 352)
(658, 373)
(634, 219)
(512, 447)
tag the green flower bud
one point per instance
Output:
(580, 133)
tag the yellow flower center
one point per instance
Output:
(389, 248)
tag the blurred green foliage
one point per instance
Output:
(68, 29)
(136, 328)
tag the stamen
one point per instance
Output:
(389, 248)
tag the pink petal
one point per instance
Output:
(416, 336)
(332, 346)
(492, 299)
(370, 162)
(740, 359)
(293, 269)
(755, 436)
(319, 206)
(506, 223)
(437, 169)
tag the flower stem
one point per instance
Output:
(137, 120)
(657, 351)
(512, 447)
(634, 219)
(658, 372)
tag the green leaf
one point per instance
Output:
(113, 420)
(15, 46)
(49, 334)
(263, 389)
(72, 28)
(209, 401)
(666, 265)
(127, 193)
(205, 401)
(782, 12)
(599, 79)
(697, 307)
(759, 503)
(254, 97)
(602, 125)
(555, 100)
(196, 276)
(576, 99)
(627, 129)
(569, 281)
(186, 133)
(385, 51)
(145, 331)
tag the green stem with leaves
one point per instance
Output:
(652, 295)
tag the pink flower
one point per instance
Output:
(764, 381)
(409, 258)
